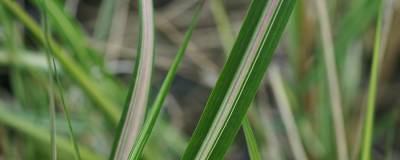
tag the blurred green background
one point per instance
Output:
(100, 41)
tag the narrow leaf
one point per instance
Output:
(285, 111)
(250, 140)
(57, 82)
(25, 126)
(333, 80)
(240, 78)
(135, 107)
(156, 108)
(68, 63)
(373, 82)
(227, 37)
(52, 106)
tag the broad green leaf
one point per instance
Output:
(138, 96)
(227, 37)
(240, 78)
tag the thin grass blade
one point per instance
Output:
(103, 22)
(373, 86)
(68, 31)
(52, 106)
(286, 114)
(57, 82)
(105, 104)
(223, 25)
(333, 80)
(250, 140)
(136, 152)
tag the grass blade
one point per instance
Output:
(250, 140)
(156, 108)
(352, 25)
(239, 80)
(372, 88)
(135, 108)
(53, 73)
(72, 67)
(68, 31)
(286, 114)
(227, 37)
(222, 22)
(52, 106)
(333, 81)
(104, 19)
(21, 124)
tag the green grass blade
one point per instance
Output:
(67, 115)
(52, 106)
(352, 25)
(28, 60)
(250, 140)
(142, 139)
(72, 67)
(239, 80)
(333, 80)
(104, 19)
(286, 114)
(68, 31)
(223, 25)
(372, 89)
(21, 124)
(226, 36)
(53, 73)
(135, 108)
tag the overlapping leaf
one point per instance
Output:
(240, 78)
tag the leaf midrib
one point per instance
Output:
(241, 77)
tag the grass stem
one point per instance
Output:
(372, 90)
(333, 81)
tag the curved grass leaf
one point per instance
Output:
(136, 104)
(240, 78)
(142, 139)
(105, 104)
